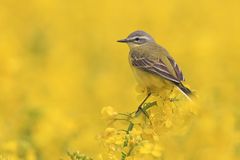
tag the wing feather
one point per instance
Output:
(177, 70)
(156, 67)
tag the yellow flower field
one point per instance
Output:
(64, 80)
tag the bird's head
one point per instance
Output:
(137, 38)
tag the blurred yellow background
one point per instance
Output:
(60, 64)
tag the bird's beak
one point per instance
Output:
(123, 40)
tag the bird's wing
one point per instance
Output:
(157, 67)
(176, 69)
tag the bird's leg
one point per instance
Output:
(140, 106)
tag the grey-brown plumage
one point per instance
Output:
(152, 64)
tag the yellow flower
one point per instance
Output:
(157, 150)
(110, 131)
(168, 123)
(108, 112)
(136, 136)
(112, 136)
(146, 148)
(136, 132)
(152, 149)
(119, 139)
(156, 138)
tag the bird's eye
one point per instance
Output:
(137, 39)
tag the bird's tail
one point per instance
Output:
(187, 92)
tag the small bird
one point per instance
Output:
(152, 65)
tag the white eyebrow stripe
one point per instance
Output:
(145, 37)
(141, 37)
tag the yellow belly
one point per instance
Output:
(153, 83)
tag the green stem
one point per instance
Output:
(149, 105)
(125, 143)
(130, 127)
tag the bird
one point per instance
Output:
(154, 68)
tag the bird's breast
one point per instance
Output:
(153, 83)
